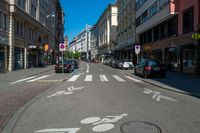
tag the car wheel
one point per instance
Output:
(144, 75)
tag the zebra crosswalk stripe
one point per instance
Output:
(33, 80)
(118, 78)
(88, 78)
(103, 78)
(73, 78)
(22, 80)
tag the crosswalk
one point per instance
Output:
(89, 78)
(74, 78)
(30, 79)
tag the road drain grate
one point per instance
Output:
(139, 127)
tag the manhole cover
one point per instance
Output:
(139, 127)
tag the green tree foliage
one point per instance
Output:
(72, 55)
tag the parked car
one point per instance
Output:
(114, 63)
(67, 66)
(126, 65)
(74, 62)
(150, 67)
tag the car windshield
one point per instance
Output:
(153, 63)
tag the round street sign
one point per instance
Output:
(62, 47)
(137, 49)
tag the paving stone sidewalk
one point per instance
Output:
(178, 82)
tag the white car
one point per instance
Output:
(126, 65)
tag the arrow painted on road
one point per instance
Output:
(59, 130)
(165, 97)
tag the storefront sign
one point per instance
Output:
(46, 47)
(196, 36)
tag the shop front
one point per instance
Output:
(18, 58)
(189, 59)
(3, 53)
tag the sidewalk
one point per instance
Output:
(178, 82)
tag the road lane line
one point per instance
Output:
(88, 78)
(136, 80)
(104, 78)
(118, 78)
(21, 80)
(87, 71)
(33, 80)
(73, 78)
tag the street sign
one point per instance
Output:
(61, 47)
(137, 49)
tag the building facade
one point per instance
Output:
(4, 34)
(94, 42)
(27, 33)
(164, 29)
(107, 31)
(81, 43)
(126, 30)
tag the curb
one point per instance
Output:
(166, 87)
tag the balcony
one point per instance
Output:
(156, 19)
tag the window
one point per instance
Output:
(153, 9)
(156, 33)
(22, 3)
(164, 30)
(17, 27)
(5, 22)
(163, 3)
(188, 20)
(173, 27)
(189, 57)
(33, 10)
(145, 16)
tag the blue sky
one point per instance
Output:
(78, 13)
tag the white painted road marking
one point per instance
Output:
(165, 97)
(59, 130)
(18, 81)
(104, 78)
(33, 80)
(87, 71)
(118, 78)
(70, 90)
(88, 78)
(102, 125)
(136, 80)
(157, 95)
(73, 78)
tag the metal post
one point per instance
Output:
(137, 59)
(62, 63)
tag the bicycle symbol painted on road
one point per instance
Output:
(102, 125)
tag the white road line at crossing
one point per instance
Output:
(73, 78)
(88, 78)
(21, 80)
(104, 78)
(118, 78)
(87, 71)
(136, 80)
(33, 80)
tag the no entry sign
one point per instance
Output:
(137, 49)
(61, 47)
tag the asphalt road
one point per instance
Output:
(97, 98)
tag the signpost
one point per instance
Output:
(62, 49)
(137, 51)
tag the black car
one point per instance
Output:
(66, 66)
(74, 62)
(150, 67)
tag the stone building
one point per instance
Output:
(27, 29)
